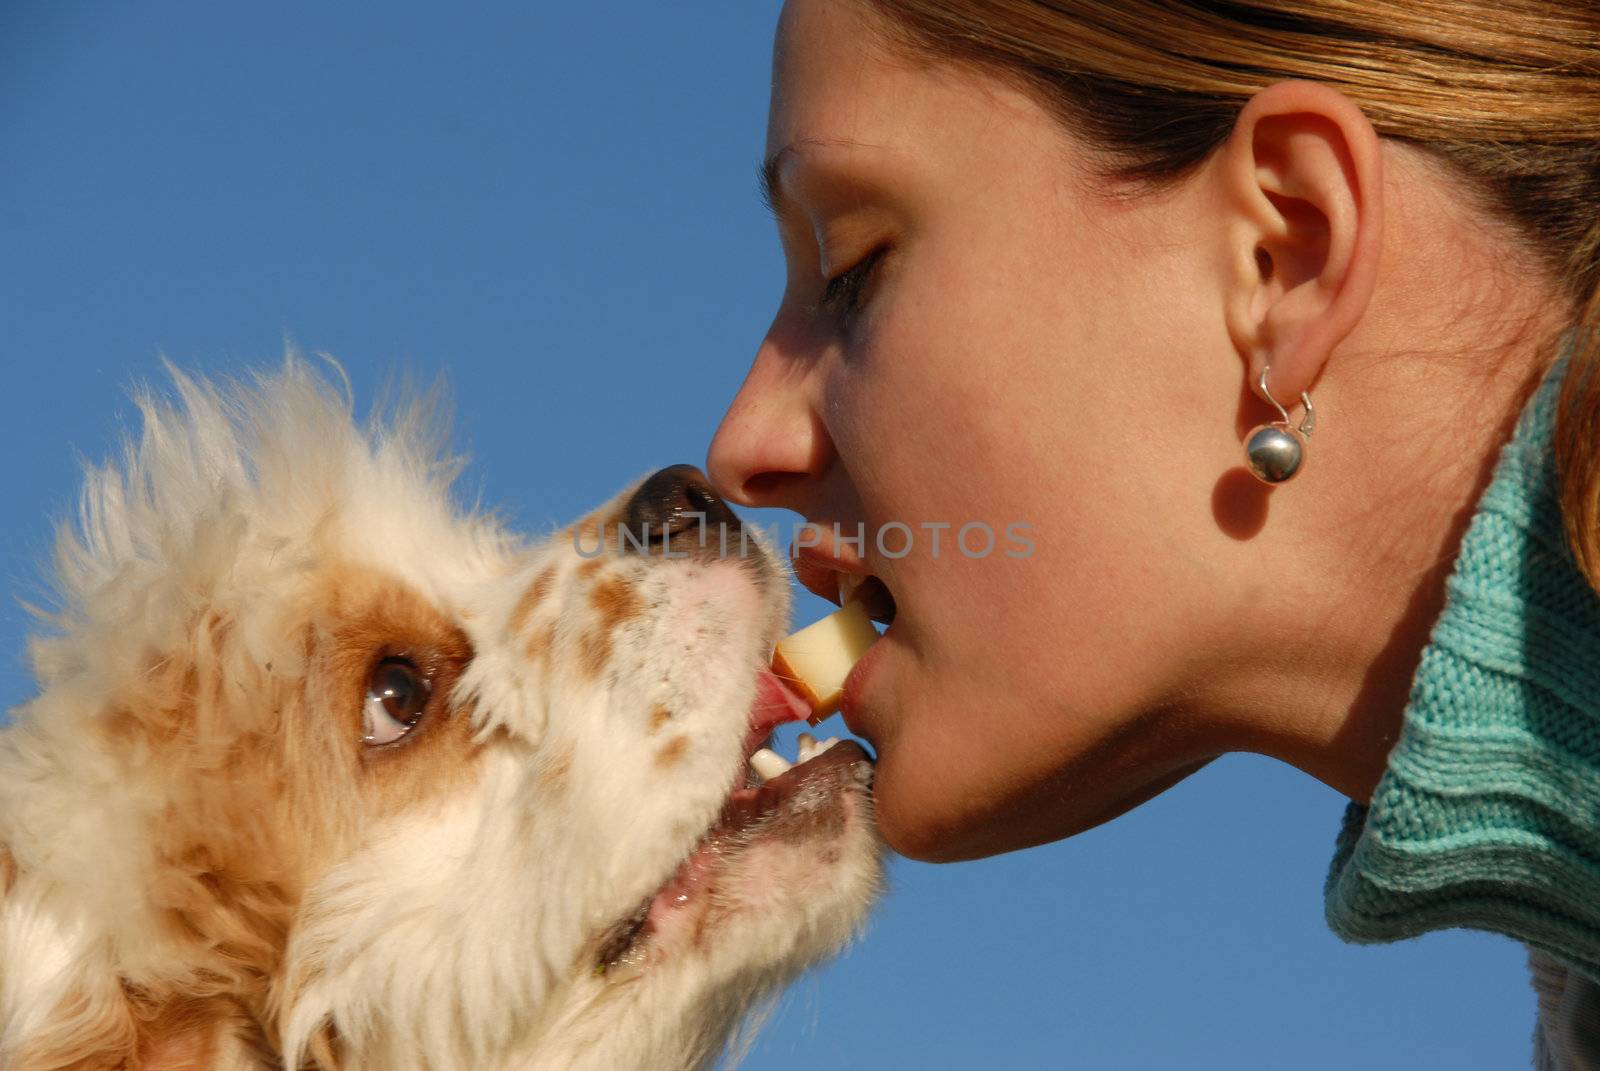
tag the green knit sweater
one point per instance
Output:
(1488, 814)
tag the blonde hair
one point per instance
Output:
(1506, 93)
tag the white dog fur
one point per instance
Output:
(202, 865)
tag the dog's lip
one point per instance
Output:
(775, 704)
(748, 811)
(796, 795)
(745, 808)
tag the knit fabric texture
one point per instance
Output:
(1488, 813)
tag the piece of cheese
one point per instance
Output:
(816, 660)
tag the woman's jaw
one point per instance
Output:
(933, 811)
(971, 333)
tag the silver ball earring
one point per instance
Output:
(1276, 451)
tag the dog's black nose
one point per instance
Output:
(676, 507)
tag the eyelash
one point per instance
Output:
(842, 293)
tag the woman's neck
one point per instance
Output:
(1408, 446)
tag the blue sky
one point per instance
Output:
(554, 204)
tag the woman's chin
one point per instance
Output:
(928, 818)
(923, 841)
(934, 831)
(938, 815)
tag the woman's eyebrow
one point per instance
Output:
(770, 180)
(769, 176)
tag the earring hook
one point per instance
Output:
(1305, 399)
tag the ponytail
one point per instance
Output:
(1578, 420)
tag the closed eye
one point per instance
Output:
(843, 294)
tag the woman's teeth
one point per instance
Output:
(768, 764)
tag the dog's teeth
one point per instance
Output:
(769, 764)
(826, 744)
(808, 746)
(848, 583)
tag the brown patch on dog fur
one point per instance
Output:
(266, 782)
(539, 642)
(556, 769)
(8, 870)
(594, 652)
(588, 568)
(124, 1028)
(672, 751)
(211, 727)
(373, 617)
(327, 1048)
(179, 1034)
(532, 597)
(616, 601)
(659, 717)
(82, 1034)
(594, 539)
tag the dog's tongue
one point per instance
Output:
(775, 704)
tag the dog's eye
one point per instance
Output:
(396, 695)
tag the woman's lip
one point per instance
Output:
(819, 559)
(852, 699)
(821, 579)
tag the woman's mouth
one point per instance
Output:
(835, 572)
(871, 592)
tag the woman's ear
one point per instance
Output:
(1301, 176)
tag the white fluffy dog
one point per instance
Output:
(324, 772)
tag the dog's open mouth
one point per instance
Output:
(800, 802)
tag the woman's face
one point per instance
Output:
(1004, 347)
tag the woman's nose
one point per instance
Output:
(772, 444)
